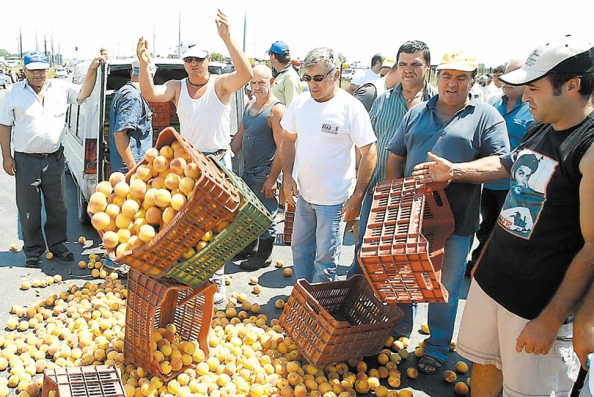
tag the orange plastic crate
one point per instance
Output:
(403, 243)
(154, 304)
(338, 320)
(92, 380)
(215, 198)
(289, 218)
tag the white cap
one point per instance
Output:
(568, 55)
(195, 52)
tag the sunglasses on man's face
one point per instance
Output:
(192, 59)
(317, 78)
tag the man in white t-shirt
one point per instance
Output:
(369, 74)
(324, 125)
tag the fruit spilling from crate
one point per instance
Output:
(165, 209)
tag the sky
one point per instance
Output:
(494, 32)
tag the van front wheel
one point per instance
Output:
(83, 215)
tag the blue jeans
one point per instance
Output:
(441, 316)
(355, 267)
(255, 182)
(317, 240)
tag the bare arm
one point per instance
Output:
(277, 113)
(122, 142)
(394, 167)
(288, 160)
(352, 207)
(583, 328)
(441, 170)
(237, 140)
(89, 82)
(539, 334)
(148, 89)
(7, 159)
(228, 83)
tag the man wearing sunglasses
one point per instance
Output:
(324, 126)
(203, 101)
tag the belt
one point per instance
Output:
(42, 155)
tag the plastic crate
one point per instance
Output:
(92, 380)
(161, 114)
(403, 242)
(289, 219)
(251, 221)
(215, 199)
(338, 320)
(154, 304)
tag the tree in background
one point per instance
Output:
(217, 57)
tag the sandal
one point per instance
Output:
(32, 261)
(429, 365)
(62, 253)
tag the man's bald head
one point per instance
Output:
(261, 81)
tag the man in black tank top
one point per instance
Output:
(517, 326)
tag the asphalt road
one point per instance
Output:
(275, 284)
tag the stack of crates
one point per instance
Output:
(403, 244)
(163, 288)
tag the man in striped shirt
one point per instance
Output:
(412, 67)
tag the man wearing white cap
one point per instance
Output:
(517, 323)
(130, 127)
(32, 124)
(461, 129)
(203, 101)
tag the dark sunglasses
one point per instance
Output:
(192, 59)
(318, 77)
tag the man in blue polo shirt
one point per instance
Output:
(456, 127)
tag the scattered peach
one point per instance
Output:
(461, 389)
(412, 372)
(288, 272)
(450, 376)
(461, 367)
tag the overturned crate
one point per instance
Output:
(338, 320)
(214, 199)
(92, 380)
(155, 304)
(402, 248)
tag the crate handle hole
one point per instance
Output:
(438, 199)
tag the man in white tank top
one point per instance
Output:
(202, 100)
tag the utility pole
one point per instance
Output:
(179, 36)
(20, 43)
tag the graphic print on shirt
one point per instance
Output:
(330, 128)
(530, 176)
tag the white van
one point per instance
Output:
(86, 141)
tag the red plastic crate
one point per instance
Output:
(154, 304)
(215, 199)
(289, 218)
(403, 243)
(161, 114)
(338, 320)
(92, 380)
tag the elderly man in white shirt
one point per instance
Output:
(31, 125)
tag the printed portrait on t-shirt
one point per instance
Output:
(530, 176)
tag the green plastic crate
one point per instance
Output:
(251, 221)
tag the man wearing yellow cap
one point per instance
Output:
(517, 325)
(459, 129)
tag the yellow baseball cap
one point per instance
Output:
(458, 61)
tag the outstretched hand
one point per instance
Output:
(437, 171)
(223, 25)
(143, 52)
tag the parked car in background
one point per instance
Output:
(61, 73)
(5, 80)
(348, 74)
